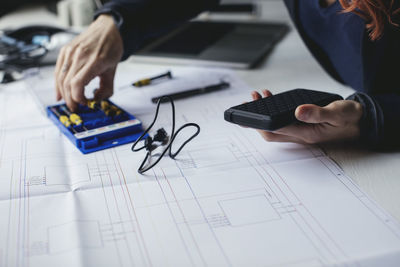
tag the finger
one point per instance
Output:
(266, 93)
(62, 73)
(310, 113)
(73, 84)
(308, 133)
(106, 88)
(275, 137)
(59, 63)
(70, 96)
(58, 93)
(87, 73)
(69, 102)
(77, 88)
(255, 95)
(83, 77)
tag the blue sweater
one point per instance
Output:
(338, 41)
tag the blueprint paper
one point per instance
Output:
(138, 99)
(230, 198)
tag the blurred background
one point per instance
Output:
(79, 13)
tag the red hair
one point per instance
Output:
(376, 12)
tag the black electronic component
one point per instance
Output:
(277, 111)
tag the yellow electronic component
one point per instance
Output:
(75, 119)
(109, 110)
(64, 120)
(89, 129)
(116, 110)
(104, 105)
(92, 104)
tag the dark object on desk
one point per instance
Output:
(30, 46)
(157, 78)
(277, 111)
(162, 139)
(14, 52)
(225, 44)
(192, 92)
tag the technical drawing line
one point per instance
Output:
(184, 218)
(126, 204)
(19, 210)
(362, 202)
(205, 217)
(2, 130)
(2, 144)
(134, 212)
(174, 219)
(319, 224)
(308, 237)
(273, 180)
(9, 215)
(150, 215)
(26, 189)
(301, 215)
(117, 206)
(204, 197)
(108, 212)
(263, 178)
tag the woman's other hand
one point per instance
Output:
(338, 121)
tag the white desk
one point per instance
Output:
(291, 66)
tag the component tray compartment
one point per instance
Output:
(102, 131)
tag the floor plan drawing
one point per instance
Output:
(229, 199)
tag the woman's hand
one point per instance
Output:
(95, 52)
(337, 121)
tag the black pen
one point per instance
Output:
(192, 92)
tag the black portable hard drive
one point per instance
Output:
(277, 111)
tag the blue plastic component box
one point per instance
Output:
(99, 129)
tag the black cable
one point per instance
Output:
(172, 137)
(173, 155)
(154, 121)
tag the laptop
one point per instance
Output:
(219, 44)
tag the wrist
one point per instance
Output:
(109, 13)
(106, 19)
(108, 36)
(371, 120)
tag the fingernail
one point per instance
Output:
(305, 115)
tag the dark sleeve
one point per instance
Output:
(379, 124)
(139, 20)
